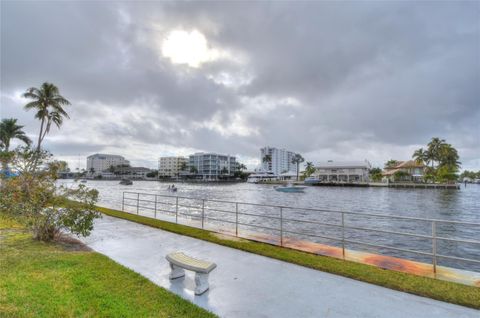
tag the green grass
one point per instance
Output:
(423, 286)
(40, 279)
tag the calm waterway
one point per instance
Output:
(451, 205)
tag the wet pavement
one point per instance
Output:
(249, 285)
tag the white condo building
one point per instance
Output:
(212, 166)
(171, 166)
(100, 162)
(281, 160)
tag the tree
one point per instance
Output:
(400, 175)
(267, 159)
(433, 150)
(376, 174)
(34, 199)
(242, 167)
(309, 169)
(48, 103)
(421, 156)
(297, 159)
(10, 130)
(183, 166)
(391, 163)
(224, 170)
(92, 170)
(193, 170)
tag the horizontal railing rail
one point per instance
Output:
(204, 213)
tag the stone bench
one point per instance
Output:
(179, 262)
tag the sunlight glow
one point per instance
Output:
(190, 48)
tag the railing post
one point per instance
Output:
(236, 218)
(155, 206)
(203, 212)
(281, 226)
(343, 235)
(123, 202)
(434, 247)
(138, 201)
(176, 210)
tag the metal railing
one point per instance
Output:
(179, 204)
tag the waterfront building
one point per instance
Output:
(342, 171)
(99, 162)
(281, 160)
(170, 167)
(409, 170)
(126, 172)
(212, 166)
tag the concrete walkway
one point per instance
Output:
(249, 285)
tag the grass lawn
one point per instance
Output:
(437, 289)
(67, 280)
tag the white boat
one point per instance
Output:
(261, 176)
(290, 188)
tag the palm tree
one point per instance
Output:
(10, 130)
(297, 159)
(267, 159)
(241, 166)
(49, 105)
(421, 156)
(309, 169)
(433, 150)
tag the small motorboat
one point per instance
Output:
(289, 188)
(83, 181)
(126, 182)
(172, 189)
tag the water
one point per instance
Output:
(445, 204)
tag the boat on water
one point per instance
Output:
(126, 182)
(261, 177)
(290, 188)
(83, 181)
(311, 180)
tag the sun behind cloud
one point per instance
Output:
(190, 48)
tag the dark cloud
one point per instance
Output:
(371, 80)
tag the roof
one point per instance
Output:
(288, 174)
(343, 164)
(406, 164)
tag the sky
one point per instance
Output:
(330, 80)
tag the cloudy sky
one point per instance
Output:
(331, 80)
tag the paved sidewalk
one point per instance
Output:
(249, 285)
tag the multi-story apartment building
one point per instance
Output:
(170, 166)
(100, 162)
(212, 166)
(279, 160)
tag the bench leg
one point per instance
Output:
(201, 282)
(176, 272)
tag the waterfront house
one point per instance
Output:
(409, 170)
(342, 171)
(212, 166)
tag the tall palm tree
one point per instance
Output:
(48, 103)
(10, 130)
(421, 156)
(433, 150)
(297, 159)
(309, 169)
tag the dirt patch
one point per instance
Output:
(69, 243)
(228, 237)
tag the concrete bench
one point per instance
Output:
(179, 262)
